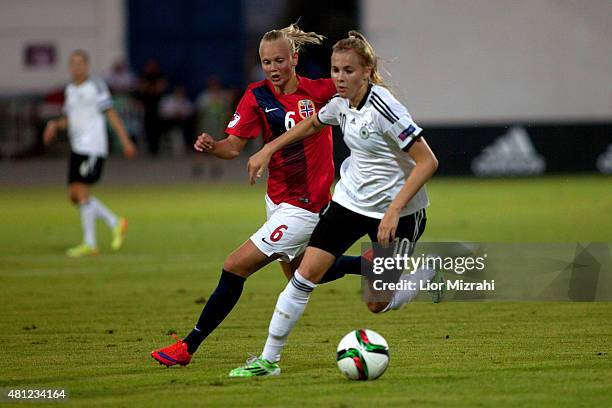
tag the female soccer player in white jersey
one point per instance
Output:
(381, 191)
(87, 102)
(298, 185)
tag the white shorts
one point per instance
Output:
(286, 231)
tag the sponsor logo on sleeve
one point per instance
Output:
(234, 121)
(406, 133)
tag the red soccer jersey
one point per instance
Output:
(299, 174)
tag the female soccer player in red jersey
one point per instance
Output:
(300, 176)
(381, 190)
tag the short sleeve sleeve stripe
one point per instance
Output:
(383, 108)
(405, 132)
(321, 120)
(105, 101)
(394, 119)
(105, 104)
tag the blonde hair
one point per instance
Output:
(358, 43)
(294, 36)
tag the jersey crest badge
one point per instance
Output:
(306, 108)
(234, 121)
(364, 133)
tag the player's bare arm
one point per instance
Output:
(259, 161)
(204, 143)
(426, 166)
(228, 148)
(52, 127)
(129, 150)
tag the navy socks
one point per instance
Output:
(229, 289)
(220, 304)
(344, 265)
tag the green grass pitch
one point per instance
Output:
(88, 325)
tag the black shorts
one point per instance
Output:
(339, 228)
(84, 169)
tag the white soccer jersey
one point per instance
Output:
(376, 132)
(85, 105)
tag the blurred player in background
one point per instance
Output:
(299, 180)
(87, 102)
(380, 193)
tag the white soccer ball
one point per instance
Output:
(363, 355)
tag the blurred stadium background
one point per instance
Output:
(516, 101)
(503, 89)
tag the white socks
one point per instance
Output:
(90, 210)
(290, 305)
(401, 297)
(292, 302)
(88, 222)
(104, 212)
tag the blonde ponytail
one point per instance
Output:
(294, 36)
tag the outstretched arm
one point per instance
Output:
(259, 161)
(228, 148)
(426, 166)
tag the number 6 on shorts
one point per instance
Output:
(277, 234)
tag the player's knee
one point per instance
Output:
(287, 271)
(310, 274)
(73, 197)
(235, 266)
(78, 195)
(376, 307)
